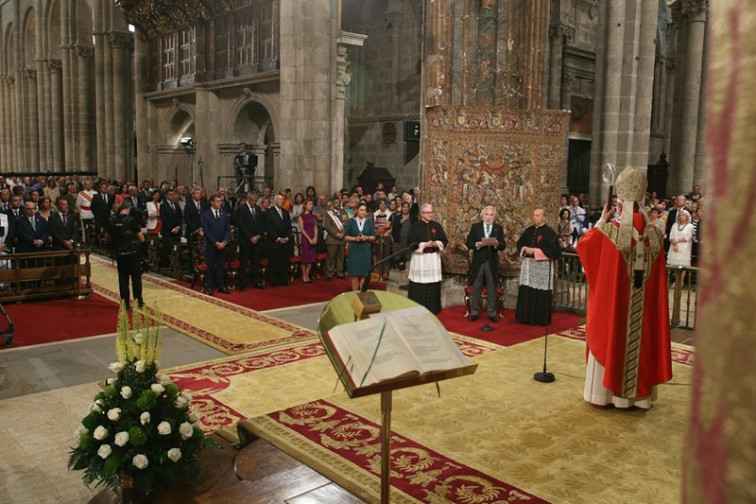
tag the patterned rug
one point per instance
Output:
(225, 326)
(497, 436)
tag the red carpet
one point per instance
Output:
(507, 332)
(297, 293)
(60, 319)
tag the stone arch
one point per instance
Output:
(29, 36)
(54, 31)
(242, 116)
(181, 123)
(254, 121)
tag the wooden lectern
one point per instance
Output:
(341, 310)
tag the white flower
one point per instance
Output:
(111, 381)
(193, 417)
(114, 414)
(139, 366)
(140, 461)
(180, 402)
(174, 454)
(164, 428)
(96, 406)
(116, 367)
(139, 338)
(126, 392)
(186, 430)
(100, 433)
(104, 451)
(122, 438)
(157, 388)
(187, 396)
(145, 417)
(81, 430)
(165, 379)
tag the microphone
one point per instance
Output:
(545, 376)
(366, 282)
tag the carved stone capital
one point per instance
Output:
(10, 79)
(30, 74)
(694, 8)
(564, 32)
(121, 40)
(343, 77)
(394, 20)
(55, 65)
(84, 52)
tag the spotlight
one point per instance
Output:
(188, 143)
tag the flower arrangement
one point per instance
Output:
(139, 426)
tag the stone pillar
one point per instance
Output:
(694, 17)
(557, 34)
(699, 172)
(485, 83)
(6, 123)
(56, 117)
(84, 128)
(32, 120)
(338, 127)
(101, 118)
(121, 48)
(258, 151)
(643, 85)
(536, 68)
(275, 169)
(42, 100)
(107, 143)
(141, 105)
(438, 55)
(20, 123)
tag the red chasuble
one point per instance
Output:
(627, 324)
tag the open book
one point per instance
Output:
(394, 346)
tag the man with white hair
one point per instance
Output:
(486, 240)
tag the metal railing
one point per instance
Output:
(571, 290)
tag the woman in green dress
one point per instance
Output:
(359, 233)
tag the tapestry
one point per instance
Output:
(478, 156)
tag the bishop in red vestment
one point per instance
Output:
(628, 345)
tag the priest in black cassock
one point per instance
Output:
(428, 241)
(538, 247)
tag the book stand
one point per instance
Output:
(340, 311)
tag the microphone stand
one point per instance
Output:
(366, 281)
(545, 376)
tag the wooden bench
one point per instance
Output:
(37, 275)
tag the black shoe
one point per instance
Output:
(242, 288)
(329, 279)
(259, 285)
(140, 302)
(474, 317)
(209, 292)
(127, 306)
(223, 290)
(493, 319)
(340, 277)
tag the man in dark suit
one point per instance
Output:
(216, 225)
(249, 221)
(278, 227)
(485, 239)
(227, 201)
(16, 209)
(32, 231)
(171, 218)
(7, 233)
(62, 227)
(102, 203)
(193, 210)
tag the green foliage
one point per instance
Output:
(119, 436)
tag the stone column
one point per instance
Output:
(438, 54)
(32, 121)
(56, 117)
(121, 47)
(275, 169)
(338, 128)
(140, 106)
(101, 118)
(557, 35)
(485, 83)
(536, 68)
(6, 123)
(258, 151)
(42, 100)
(84, 128)
(107, 143)
(643, 85)
(694, 17)
(699, 173)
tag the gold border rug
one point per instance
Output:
(497, 436)
(224, 326)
